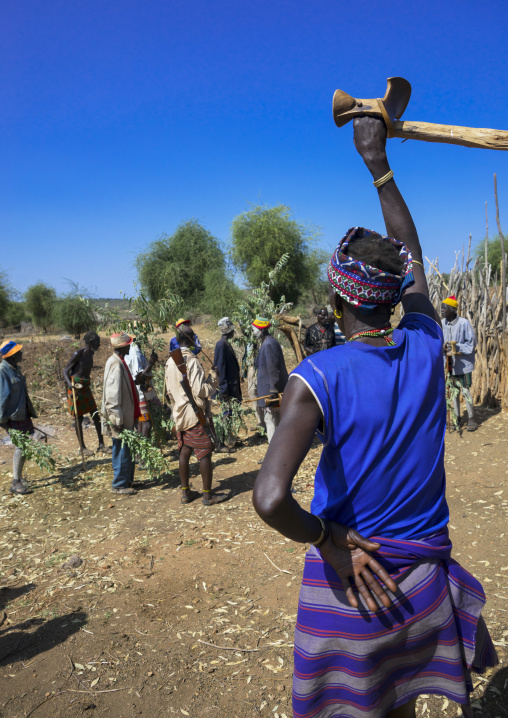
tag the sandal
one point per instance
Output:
(192, 496)
(215, 498)
(19, 488)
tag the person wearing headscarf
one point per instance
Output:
(321, 335)
(460, 344)
(272, 375)
(16, 408)
(196, 345)
(120, 410)
(226, 363)
(384, 613)
(227, 366)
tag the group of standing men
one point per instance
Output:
(128, 396)
(128, 392)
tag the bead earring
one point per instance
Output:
(338, 314)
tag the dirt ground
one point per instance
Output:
(186, 609)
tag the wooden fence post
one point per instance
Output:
(503, 257)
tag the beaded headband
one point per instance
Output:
(365, 286)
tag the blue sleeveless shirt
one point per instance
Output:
(382, 466)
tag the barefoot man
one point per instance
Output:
(78, 369)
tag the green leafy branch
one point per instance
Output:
(34, 450)
(260, 303)
(452, 392)
(230, 420)
(147, 320)
(147, 452)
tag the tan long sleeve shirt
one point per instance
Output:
(202, 389)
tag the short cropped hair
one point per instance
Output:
(90, 337)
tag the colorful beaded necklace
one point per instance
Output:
(383, 333)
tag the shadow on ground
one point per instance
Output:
(21, 643)
(493, 701)
(8, 594)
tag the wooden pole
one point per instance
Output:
(486, 236)
(78, 427)
(469, 252)
(438, 273)
(503, 257)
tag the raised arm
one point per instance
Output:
(370, 141)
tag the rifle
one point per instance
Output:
(177, 357)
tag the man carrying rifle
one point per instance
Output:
(191, 414)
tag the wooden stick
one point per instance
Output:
(438, 273)
(230, 648)
(258, 398)
(481, 137)
(486, 235)
(282, 570)
(78, 428)
(503, 257)
(206, 356)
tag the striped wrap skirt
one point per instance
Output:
(354, 663)
(195, 438)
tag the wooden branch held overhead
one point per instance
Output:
(480, 137)
(391, 107)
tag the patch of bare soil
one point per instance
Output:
(189, 610)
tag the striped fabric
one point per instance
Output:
(354, 663)
(84, 398)
(197, 439)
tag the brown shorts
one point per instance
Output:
(197, 439)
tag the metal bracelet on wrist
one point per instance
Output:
(325, 532)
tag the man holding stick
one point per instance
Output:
(80, 399)
(272, 374)
(191, 434)
(460, 343)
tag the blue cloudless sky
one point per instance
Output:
(119, 120)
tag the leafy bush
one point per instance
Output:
(493, 253)
(12, 313)
(40, 300)
(190, 263)
(15, 314)
(74, 314)
(262, 235)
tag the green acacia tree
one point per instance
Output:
(5, 298)
(12, 312)
(493, 253)
(261, 235)
(39, 301)
(73, 314)
(191, 264)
